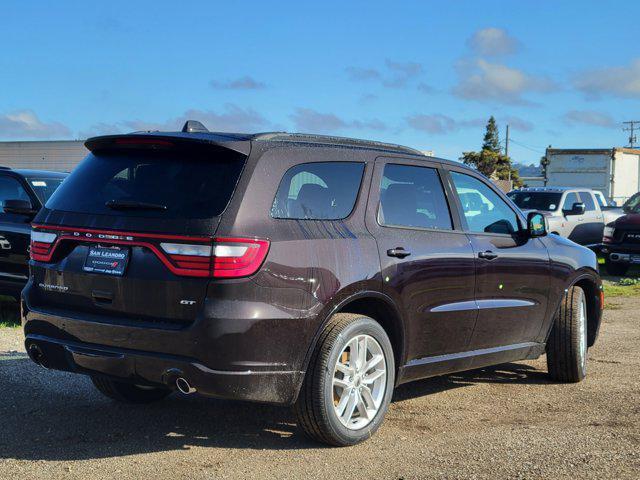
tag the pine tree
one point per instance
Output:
(490, 161)
(492, 137)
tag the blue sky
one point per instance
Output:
(422, 73)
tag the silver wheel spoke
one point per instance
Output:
(350, 407)
(362, 408)
(344, 398)
(373, 376)
(362, 353)
(353, 353)
(341, 383)
(368, 398)
(341, 367)
(375, 360)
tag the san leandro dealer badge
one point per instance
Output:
(108, 260)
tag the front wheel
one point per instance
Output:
(567, 343)
(349, 382)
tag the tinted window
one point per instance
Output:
(44, 186)
(413, 197)
(483, 209)
(601, 201)
(165, 185)
(547, 201)
(318, 191)
(587, 199)
(11, 189)
(632, 205)
(569, 200)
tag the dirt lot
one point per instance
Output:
(508, 421)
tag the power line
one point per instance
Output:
(631, 129)
(528, 147)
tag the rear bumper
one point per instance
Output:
(624, 253)
(278, 387)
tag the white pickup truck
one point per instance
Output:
(579, 214)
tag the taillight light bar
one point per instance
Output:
(182, 255)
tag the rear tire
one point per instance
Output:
(346, 393)
(128, 392)
(567, 343)
(617, 269)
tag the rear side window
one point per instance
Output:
(44, 187)
(589, 204)
(413, 197)
(176, 185)
(318, 191)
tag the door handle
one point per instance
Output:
(488, 255)
(398, 252)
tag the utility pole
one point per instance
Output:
(633, 126)
(506, 151)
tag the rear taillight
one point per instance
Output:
(182, 255)
(225, 258)
(42, 245)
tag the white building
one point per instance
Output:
(613, 171)
(61, 156)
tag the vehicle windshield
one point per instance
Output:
(545, 201)
(168, 185)
(44, 186)
(632, 205)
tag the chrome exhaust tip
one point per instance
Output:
(184, 386)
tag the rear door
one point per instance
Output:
(427, 265)
(573, 225)
(128, 235)
(512, 271)
(593, 223)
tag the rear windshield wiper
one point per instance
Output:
(133, 205)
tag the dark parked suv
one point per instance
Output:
(295, 269)
(22, 194)
(621, 241)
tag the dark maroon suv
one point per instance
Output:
(621, 241)
(293, 269)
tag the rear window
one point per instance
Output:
(44, 186)
(160, 184)
(318, 191)
(589, 204)
(546, 201)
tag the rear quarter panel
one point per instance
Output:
(312, 265)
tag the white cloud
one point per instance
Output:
(493, 42)
(482, 80)
(438, 123)
(242, 83)
(589, 117)
(621, 81)
(307, 119)
(231, 119)
(25, 124)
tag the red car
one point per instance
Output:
(622, 239)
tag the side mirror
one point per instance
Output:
(536, 225)
(578, 208)
(20, 207)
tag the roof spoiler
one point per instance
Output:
(164, 141)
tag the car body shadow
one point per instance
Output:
(50, 415)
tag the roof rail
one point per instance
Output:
(335, 140)
(2, 167)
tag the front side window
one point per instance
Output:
(569, 200)
(483, 209)
(632, 205)
(11, 189)
(589, 204)
(318, 191)
(413, 197)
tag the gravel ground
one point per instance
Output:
(508, 421)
